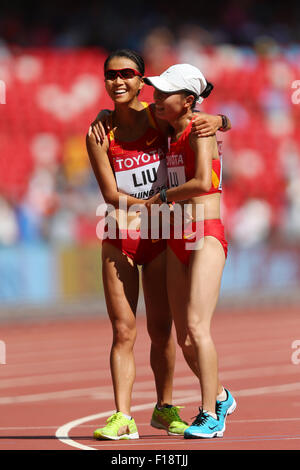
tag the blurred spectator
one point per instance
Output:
(249, 51)
(9, 231)
(252, 223)
(159, 51)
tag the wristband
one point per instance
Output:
(224, 123)
(163, 197)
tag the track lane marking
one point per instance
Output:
(189, 442)
(232, 421)
(64, 377)
(62, 432)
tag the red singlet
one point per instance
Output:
(181, 163)
(140, 171)
(181, 168)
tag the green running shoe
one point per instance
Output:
(168, 418)
(117, 427)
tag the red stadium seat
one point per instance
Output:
(239, 89)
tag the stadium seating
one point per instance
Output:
(52, 96)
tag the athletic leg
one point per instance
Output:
(205, 273)
(159, 325)
(177, 286)
(121, 287)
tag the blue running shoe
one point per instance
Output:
(204, 426)
(225, 407)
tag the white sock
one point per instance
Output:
(210, 413)
(126, 416)
(222, 396)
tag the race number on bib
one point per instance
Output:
(176, 176)
(176, 170)
(143, 181)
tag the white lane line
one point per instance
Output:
(269, 389)
(92, 392)
(25, 357)
(232, 421)
(62, 364)
(63, 394)
(63, 432)
(106, 394)
(265, 371)
(263, 420)
(64, 377)
(37, 367)
(182, 441)
(95, 393)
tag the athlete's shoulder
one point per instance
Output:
(150, 109)
(93, 144)
(198, 143)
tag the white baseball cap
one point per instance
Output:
(180, 77)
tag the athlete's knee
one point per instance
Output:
(160, 334)
(183, 340)
(161, 340)
(198, 330)
(124, 334)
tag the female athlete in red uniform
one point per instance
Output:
(130, 163)
(195, 259)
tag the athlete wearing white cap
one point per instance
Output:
(194, 272)
(182, 77)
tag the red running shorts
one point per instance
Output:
(196, 231)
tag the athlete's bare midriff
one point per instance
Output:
(200, 207)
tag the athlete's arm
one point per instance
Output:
(101, 125)
(104, 174)
(205, 125)
(204, 150)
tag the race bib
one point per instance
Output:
(142, 175)
(176, 176)
(176, 170)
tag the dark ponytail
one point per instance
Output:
(207, 91)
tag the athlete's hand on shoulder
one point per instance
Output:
(205, 125)
(101, 125)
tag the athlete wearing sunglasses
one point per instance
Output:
(130, 161)
(126, 74)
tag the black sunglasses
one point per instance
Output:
(112, 74)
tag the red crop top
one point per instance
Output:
(140, 166)
(181, 163)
